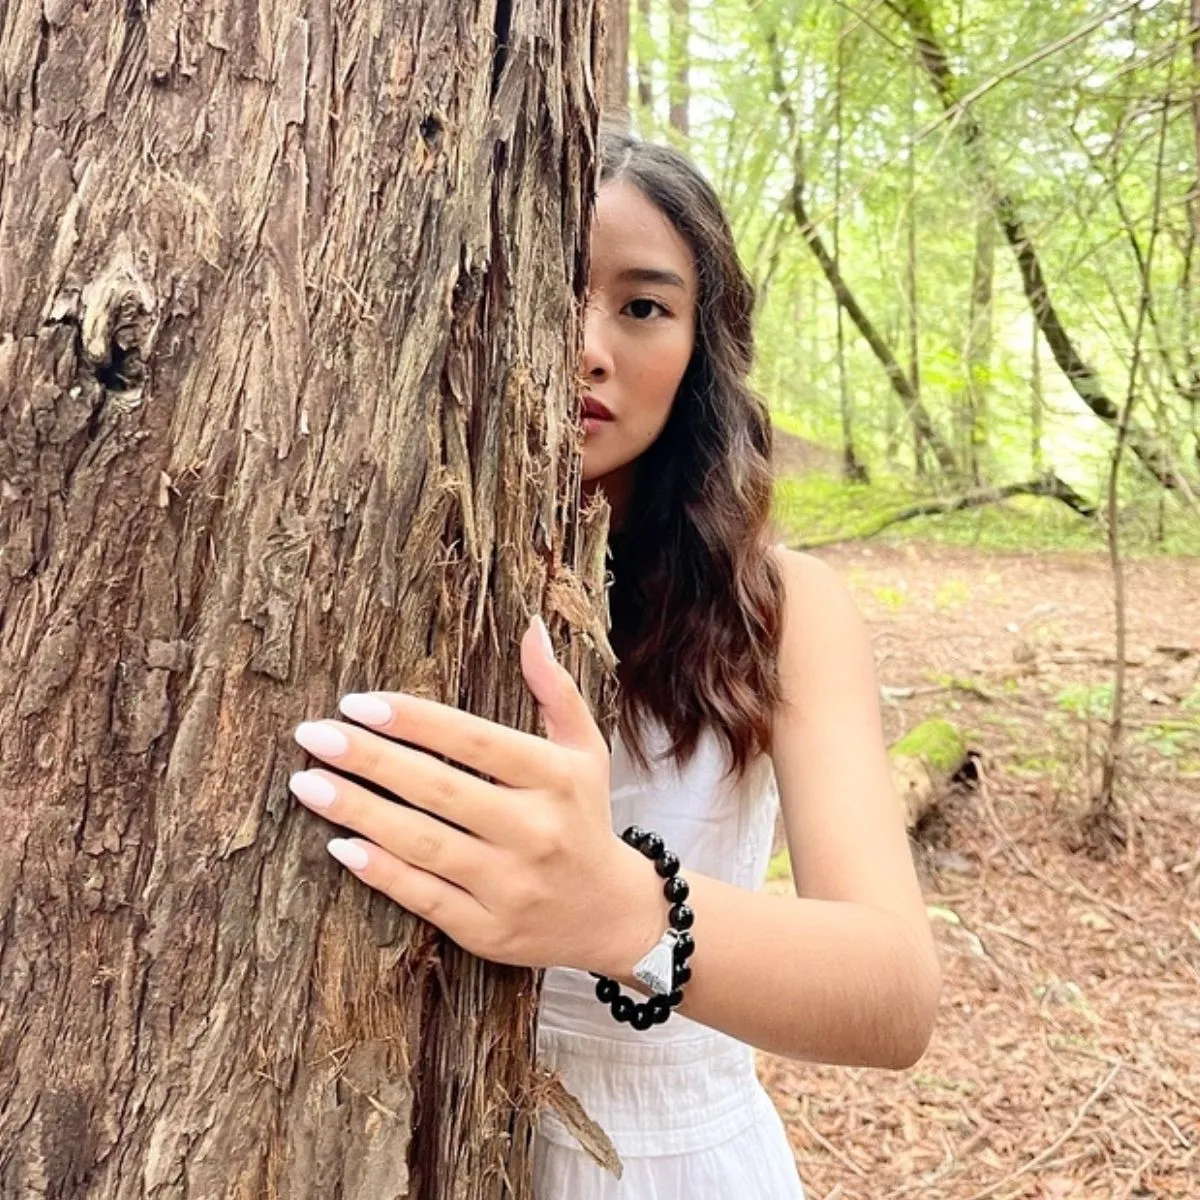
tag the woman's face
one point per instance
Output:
(639, 330)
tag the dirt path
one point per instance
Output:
(1066, 1064)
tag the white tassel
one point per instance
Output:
(657, 968)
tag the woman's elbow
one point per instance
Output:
(915, 1029)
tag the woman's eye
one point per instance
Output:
(643, 309)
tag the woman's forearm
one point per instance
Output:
(820, 980)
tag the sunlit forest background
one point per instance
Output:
(974, 226)
(1003, 198)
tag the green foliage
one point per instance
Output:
(780, 867)
(937, 742)
(1173, 739)
(1084, 700)
(1070, 97)
(815, 508)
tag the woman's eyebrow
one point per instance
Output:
(651, 275)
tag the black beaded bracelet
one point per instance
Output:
(668, 975)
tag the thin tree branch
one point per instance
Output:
(1047, 485)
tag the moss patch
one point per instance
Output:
(936, 742)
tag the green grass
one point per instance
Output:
(815, 508)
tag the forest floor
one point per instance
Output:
(1066, 1061)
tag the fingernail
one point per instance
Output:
(312, 789)
(544, 635)
(349, 854)
(321, 739)
(366, 710)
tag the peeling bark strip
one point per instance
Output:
(284, 396)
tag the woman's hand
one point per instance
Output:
(521, 867)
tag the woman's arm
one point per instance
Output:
(847, 973)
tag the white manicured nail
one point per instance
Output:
(544, 635)
(366, 710)
(312, 789)
(349, 854)
(321, 739)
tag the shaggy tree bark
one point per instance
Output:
(288, 336)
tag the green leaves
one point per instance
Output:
(1069, 97)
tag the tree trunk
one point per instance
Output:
(1037, 403)
(285, 410)
(912, 298)
(853, 471)
(616, 58)
(678, 66)
(973, 401)
(645, 58)
(1190, 305)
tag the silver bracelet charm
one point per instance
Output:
(656, 968)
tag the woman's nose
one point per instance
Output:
(597, 353)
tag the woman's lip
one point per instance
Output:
(595, 410)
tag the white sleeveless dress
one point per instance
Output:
(681, 1102)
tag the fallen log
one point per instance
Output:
(1046, 485)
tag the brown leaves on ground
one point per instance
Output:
(1066, 1063)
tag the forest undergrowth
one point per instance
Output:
(1063, 1066)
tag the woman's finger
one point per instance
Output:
(437, 787)
(440, 903)
(506, 755)
(407, 833)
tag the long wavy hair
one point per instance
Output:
(696, 598)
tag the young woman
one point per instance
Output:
(746, 684)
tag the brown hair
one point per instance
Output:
(696, 599)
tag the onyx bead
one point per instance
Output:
(681, 917)
(682, 975)
(667, 864)
(607, 990)
(684, 948)
(660, 1010)
(675, 999)
(622, 1008)
(642, 1017)
(676, 889)
(652, 845)
(634, 836)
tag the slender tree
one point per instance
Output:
(678, 68)
(286, 410)
(616, 57)
(912, 295)
(852, 469)
(645, 57)
(973, 399)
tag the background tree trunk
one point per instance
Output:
(852, 469)
(912, 296)
(284, 411)
(678, 67)
(616, 58)
(645, 57)
(973, 406)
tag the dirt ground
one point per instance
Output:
(1066, 1062)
